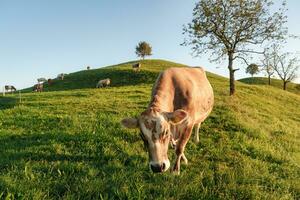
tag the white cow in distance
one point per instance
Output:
(103, 83)
(10, 88)
(61, 76)
(41, 80)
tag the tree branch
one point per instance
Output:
(241, 59)
(249, 51)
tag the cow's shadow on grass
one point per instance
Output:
(51, 147)
(7, 102)
(102, 157)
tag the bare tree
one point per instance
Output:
(270, 60)
(233, 29)
(287, 68)
(267, 67)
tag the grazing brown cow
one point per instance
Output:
(38, 87)
(181, 99)
(50, 82)
(136, 67)
(103, 83)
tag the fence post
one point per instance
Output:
(20, 97)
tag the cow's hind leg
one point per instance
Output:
(196, 136)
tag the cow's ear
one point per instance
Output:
(130, 122)
(177, 116)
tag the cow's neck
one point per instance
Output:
(162, 101)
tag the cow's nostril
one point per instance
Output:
(157, 168)
(163, 167)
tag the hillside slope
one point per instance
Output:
(291, 87)
(120, 75)
(70, 145)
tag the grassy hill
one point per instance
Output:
(291, 87)
(69, 144)
(120, 75)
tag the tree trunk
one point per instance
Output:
(231, 74)
(269, 79)
(284, 85)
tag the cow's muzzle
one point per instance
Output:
(158, 168)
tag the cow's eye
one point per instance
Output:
(142, 136)
(144, 140)
(166, 132)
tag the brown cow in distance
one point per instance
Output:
(136, 67)
(181, 99)
(50, 81)
(38, 87)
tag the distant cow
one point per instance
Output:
(103, 83)
(10, 88)
(136, 67)
(182, 98)
(50, 81)
(38, 87)
(61, 76)
(41, 80)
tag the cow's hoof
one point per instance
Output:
(176, 172)
(184, 159)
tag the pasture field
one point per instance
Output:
(67, 143)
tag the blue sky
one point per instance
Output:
(42, 38)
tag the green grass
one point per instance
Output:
(120, 75)
(69, 144)
(291, 87)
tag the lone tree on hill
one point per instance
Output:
(252, 69)
(143, 49)
(234, 29)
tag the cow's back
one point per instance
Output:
(187, 89)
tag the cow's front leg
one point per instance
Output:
(196, 138)
(180, 156)
(180, 149)
(176, 168)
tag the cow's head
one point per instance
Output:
(155, 132)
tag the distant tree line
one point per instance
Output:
(284, 64)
